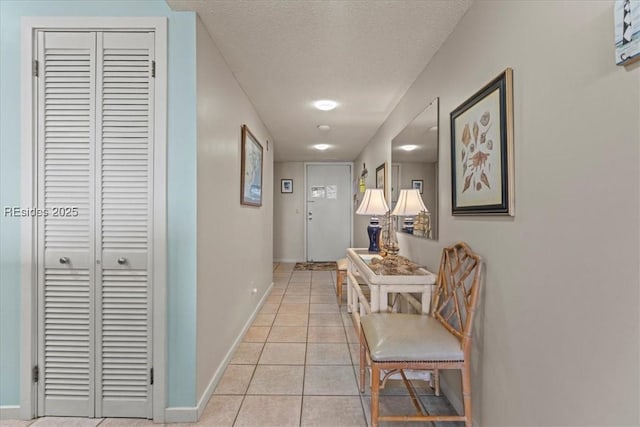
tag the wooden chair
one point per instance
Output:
(442, 340)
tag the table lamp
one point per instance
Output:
(409, 204)
(374, 204)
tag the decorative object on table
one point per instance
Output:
(373, 204)
(286, 186)
(395, 265)
(388, 238)
(627, 31)
(251, 169)
(422, 225)
(381, 177)
(315, 266)
(409, 205)
(418, 184)
(482, 150)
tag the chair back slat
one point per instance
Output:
(456, 294)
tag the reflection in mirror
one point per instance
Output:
(414, 165)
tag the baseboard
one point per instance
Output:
(10, 412)
(178, 414)
(215, 379)
(287, 260)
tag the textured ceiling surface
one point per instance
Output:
(362, 54)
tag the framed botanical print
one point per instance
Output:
(251, 169)
(482, 150)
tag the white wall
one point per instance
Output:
(235, 243)
(288, 213)
(558, 335)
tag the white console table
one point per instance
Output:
(381, 285)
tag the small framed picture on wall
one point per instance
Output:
(417, 184)
(286, 186)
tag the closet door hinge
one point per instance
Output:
(151, 376)
(35, 67)
(35, 374)
(153, 68)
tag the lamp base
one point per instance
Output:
(407, 225)
(374, 234)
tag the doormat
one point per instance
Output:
(315, 266)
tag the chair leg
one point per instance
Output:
(362, 361)
(375, 394)
(339, 280)
(466, 393)
(436, 381)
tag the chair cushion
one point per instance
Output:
(343, 264)
(409, 337)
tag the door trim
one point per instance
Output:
(28, 251)
(306, 195)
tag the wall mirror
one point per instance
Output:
(414, 165)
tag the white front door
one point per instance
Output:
(328, 213)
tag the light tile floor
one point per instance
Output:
(297, 366)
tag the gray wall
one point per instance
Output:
(235, 243)
(288, 213)
(557, 341)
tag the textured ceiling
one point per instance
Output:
(363, 54)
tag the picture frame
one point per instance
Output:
(286, 185)
(381, 177)
(627, 31)
(482, 150)
(418, 184)
(250, 169)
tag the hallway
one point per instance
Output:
(297, 366)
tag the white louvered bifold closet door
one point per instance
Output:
(124, 135)
(66, 134)
(95, 151)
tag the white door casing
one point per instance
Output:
(328, 213)
(109, 169)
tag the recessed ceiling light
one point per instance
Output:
(321, 147)
(325, 104)
(408, 147)
(324, 128)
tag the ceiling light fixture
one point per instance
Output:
(433, 128)
(321, 147)
(324, 128)
(325, 104)
(408, 147)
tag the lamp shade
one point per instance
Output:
(373, 203)
(409, 203)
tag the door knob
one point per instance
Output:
(122, 260)
(64, 260)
